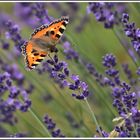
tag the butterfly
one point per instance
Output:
(43, 41)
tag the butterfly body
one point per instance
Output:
(43, 41)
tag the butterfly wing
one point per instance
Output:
(54, 30)
(33, 57)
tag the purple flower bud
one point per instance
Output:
(6, 46)
(14, 92)
(9, 82)
(55, 58)
(136, 45)
(72, 87)
(17, 104)
(80, 97)
(84, 86)
(125, 16)
(23, 108)
(50, 62)
(74, 77)
(129, 33)
(66, 71)
(112, 72)
(56, 133)
(77, 82)
(138, 71)
(65, 83)
(138, 32)
(85, 93)
(109, 60)
(61, 76)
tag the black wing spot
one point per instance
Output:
(34, 51)
(57, 35)
(52, 32)
(47, 33)
(42, 55)
(39, 60)
(64, 23)
(61, 30)
(36, 54)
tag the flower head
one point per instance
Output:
(51, 126)
(131, 31)
(107, 13)
(58, 70)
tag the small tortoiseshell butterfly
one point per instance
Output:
(42, 41)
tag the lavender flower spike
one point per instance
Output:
(125, 100)
(51, 126)
(107, 13)
(59, 71)
(131, 31)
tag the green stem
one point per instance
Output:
(39, 121)
(94, 118)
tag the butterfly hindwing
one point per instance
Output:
(33, 57)
(34, 60)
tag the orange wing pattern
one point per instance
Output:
(55, 29)
(49, 36)
(33, 57)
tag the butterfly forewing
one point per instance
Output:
(54, 29)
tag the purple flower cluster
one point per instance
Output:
(51, 126)
(125, 100)
(131, 31)
(7, 113)
(41, 13)
(61, 74)
(107, 13)
(17, 98)
(13, 33)
(19, 135)
(14, 93)
(69, 52)
(109, 61)
(34, 13)
(104, 134)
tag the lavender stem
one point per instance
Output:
(94, 118)
(39, 121)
